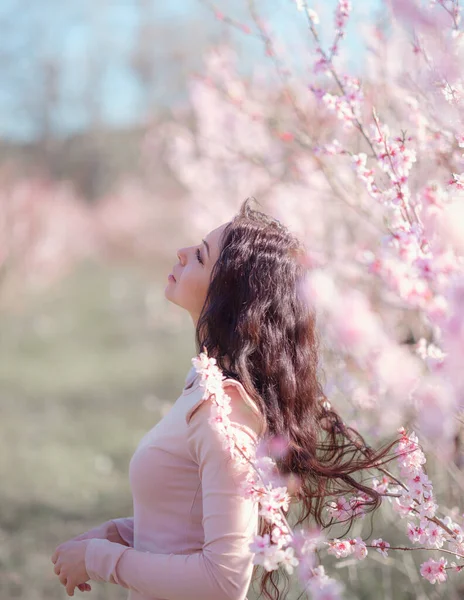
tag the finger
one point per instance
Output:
(56, 553)
(57, 569)
(70, 588)
(84, 587)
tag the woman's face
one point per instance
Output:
(192, 274)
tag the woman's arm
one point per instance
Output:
(120, 531)
(123, 531)
(223, 569)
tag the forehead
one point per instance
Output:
(214, 236)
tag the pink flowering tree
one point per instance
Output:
(370, 176)
(45, 228)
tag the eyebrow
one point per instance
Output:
(207, 245)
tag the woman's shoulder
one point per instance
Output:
(244, 410)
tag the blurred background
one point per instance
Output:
(114, 152)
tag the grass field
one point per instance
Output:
(86, 369)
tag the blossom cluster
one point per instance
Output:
(414, 499)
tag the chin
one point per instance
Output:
(168, 293)
(167, 290)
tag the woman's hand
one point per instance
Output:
(69, 561)
(105, 531)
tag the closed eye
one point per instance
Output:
(199, 256)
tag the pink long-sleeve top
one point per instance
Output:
(190, 533)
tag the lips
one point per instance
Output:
(172, 273)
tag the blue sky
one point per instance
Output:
(91, 40)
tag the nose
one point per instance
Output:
(180, 255)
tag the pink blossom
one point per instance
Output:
(342, 13)
(312, 14)
(260, 543)
(289, 560)
(339, 548)
(281, 536)
(359, 548)
(434, 571)
(381, 546)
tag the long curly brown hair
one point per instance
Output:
(259, 325)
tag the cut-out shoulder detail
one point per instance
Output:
(190, 375)
(192, 379)
(229, 382)
(249, 401)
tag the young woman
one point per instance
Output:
(190, 534)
